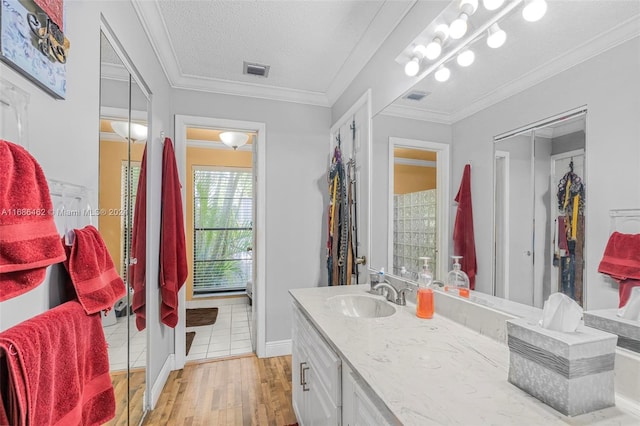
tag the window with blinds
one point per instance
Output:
(223, 229)
(128, 193)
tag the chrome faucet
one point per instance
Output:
(395, 296)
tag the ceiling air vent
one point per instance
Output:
(415, 95)
(256, 69)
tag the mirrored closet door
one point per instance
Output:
(123, 134)
(539, 210)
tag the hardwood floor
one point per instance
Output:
(238, 391)
(119, 381)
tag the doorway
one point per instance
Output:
(223, 197)
(418, 208)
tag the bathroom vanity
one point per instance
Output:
(390, 367)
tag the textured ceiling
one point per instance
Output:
(305, 42)
(529, 48)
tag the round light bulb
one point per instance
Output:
(433, 49)
(466, 58)
(458, 28)
(412, 67)
(442, 32)
(443, 74)
(534, 10)
(492, 4)
(496, 37)
(420, 51)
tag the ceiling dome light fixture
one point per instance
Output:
(234, 139)
(443, 74)
(466, 58)
(492, 4)
(496, 37)
(138, 132)
(534, 10)
(458, 28)
(412, 67)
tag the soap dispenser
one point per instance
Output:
(457, 279)
(424, 297)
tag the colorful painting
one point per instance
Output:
(34, 45)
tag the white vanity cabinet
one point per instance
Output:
(360, 407)
(316, 376)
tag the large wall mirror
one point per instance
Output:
(539, 211)
(517, 114)
(123, 134)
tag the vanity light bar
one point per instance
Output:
(495, 36)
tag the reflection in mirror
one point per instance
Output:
(414, 210)
(539, 199)
(123, 119)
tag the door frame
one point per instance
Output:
(259, 259)
(506, 157)
(442, 190)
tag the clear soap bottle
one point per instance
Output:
(457, 279)
(424, 296)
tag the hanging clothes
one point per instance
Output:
(137, 270)
(339, 222)
(570, 197)
(463, 236)
(173, 249)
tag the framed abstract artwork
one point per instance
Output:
(32, 42)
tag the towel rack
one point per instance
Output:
(13, 102)
(70, 201)
(626, 221)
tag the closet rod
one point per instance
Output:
(542, 123)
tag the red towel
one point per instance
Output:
(93, 275)
(173, 253)
(463, 239)
(621, 261)
(29, 240)
(137, 271)
(57, 370)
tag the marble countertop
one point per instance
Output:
(434, 372)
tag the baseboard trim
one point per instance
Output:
(278, 348)
(158, 385)
(629, 405)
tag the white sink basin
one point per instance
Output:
(360, 306)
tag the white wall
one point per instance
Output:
(608, 85)
(63, 137)
(297, 149)
(383, 128)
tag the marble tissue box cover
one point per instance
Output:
(607, 320)
(571, 372)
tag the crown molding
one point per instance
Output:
(587, 50)
(157, 33)
(252, 90)
(384, 23)
(402, 111)
(114, 72)
(156, 29)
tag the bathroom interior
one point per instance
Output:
(521, 156)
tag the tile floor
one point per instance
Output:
(230, 335)
(116, 336)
